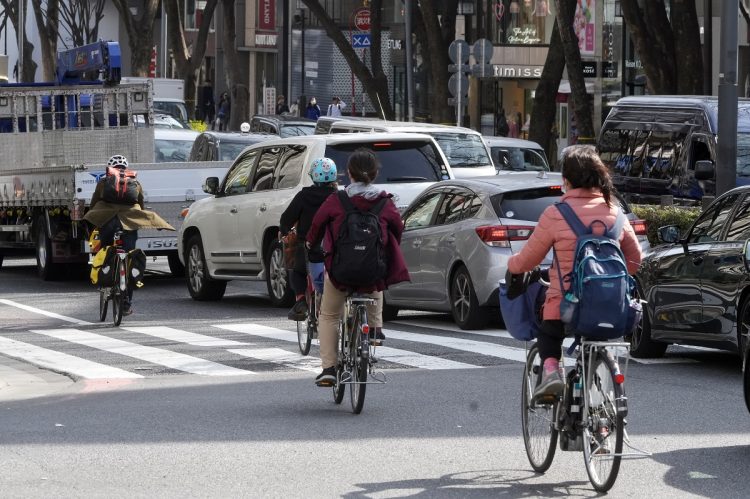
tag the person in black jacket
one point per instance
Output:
(301, 211)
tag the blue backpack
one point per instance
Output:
(598, 301)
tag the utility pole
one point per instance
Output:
(409, 61)
(21, 31)
(726, 157)
(708, 38)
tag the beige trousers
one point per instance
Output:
(331, 310)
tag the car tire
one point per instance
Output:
(743, 317)
(467, 313)
(390, 313)
(277, 276)
(46, 269)
(641, 344)
(175, 265)
(200, 284)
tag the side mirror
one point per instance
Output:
(669, 233)
(211, 186)
(704, 170)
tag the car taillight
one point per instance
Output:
(501, 235)
(640, 227)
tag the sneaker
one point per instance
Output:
(551, 384)
(327, 377)
(127, 311)
(377, 337)
(299, 311)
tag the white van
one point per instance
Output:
(467, 153)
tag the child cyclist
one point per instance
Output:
(362, 169)
(301, 211)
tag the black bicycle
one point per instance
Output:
(117, 292)
(356, 356)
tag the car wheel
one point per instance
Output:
(277, 277)
(46, 269)
(641, 344)
(467, 313)
(199, 283)
(175, 265)
(389, 311)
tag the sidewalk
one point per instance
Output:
(20, 381)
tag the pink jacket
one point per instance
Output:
(553, 230)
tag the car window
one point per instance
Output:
(421, 214)
(230, 150)
(739, 228)
(296, 130)
(264, 172)
(528, 204)
(407, 161)
(254, 126)
(290, 167)
(268, 128)
(172, 150)
(651, 154)
(457, 206)
(519, 159)
(463, 150)
(709, 225)
(236, 181)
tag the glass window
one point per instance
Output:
(296, 130)
(172, 150)
(519, 159)
(255, 126)
(743, 154)
(739, 228)
(457, 206)
(642, 153)
(525, 205)
(521, 22)
(403, 161)
(236, 181)
(463, 150)
(264, 172)
(709, 225)
(230, 150)
(421, 214)
(290, 167)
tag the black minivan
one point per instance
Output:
(653, 145)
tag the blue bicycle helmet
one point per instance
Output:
(323, 171)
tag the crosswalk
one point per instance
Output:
(89, 351)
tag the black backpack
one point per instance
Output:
(358, 253)
(120, 187)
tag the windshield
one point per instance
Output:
(171, 150)
(296, 130)
(410, 161)
(175, 109)
(228, 151)
(463, 150)
(525, 205)
(519, 159)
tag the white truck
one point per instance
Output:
(169, 95)
(55, 141)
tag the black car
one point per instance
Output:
(223, 146)
(283, 125)
(697, 286)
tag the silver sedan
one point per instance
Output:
(458, 237)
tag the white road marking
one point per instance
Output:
(280, 356)
(404, 357)
(61, 362)
(179, 336)
(44, 312)
(466, 345)
(158, 356)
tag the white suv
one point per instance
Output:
(233, 234)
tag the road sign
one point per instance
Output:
(362, 19)
(361, 41)
(482, 70)
(483, 50)
(458, 83)
(458, 51)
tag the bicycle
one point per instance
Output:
(118, 290)
(356, 358)
(589, 416)
(307, 330)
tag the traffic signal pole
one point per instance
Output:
(726, 155)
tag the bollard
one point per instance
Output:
(666, 200)
(707, 200)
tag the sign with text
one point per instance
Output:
(269, 100)
(584, 25)
(513, 71)
(523, 36)
(588, 68)
(362, 19)
(267, 15)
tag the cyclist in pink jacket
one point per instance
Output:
(588, 189)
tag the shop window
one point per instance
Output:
(520, 22)
(194, 14)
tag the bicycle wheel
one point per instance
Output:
(360, 363)
(537, 419)
(118, 296)
(603, 431)
(338, 387)
(103, 303)
(304, 338)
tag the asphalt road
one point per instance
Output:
(212, 399)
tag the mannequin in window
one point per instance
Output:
(541, 11)
(515, 14)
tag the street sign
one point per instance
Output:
(482, 70)
(362, 19)
(361, 41)
(458, 51)
(483, 50)
(455, 68)
(458, 83)
(609, 69)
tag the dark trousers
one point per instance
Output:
(128, 237)
(550, 339)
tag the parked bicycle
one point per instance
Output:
(307, 330)
(117, 292)
(589, 416)
(356, 356)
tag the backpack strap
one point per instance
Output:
(616, 230)
(345, 201)
(571, 218)
(375, 210)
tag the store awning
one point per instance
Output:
(564, 87)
